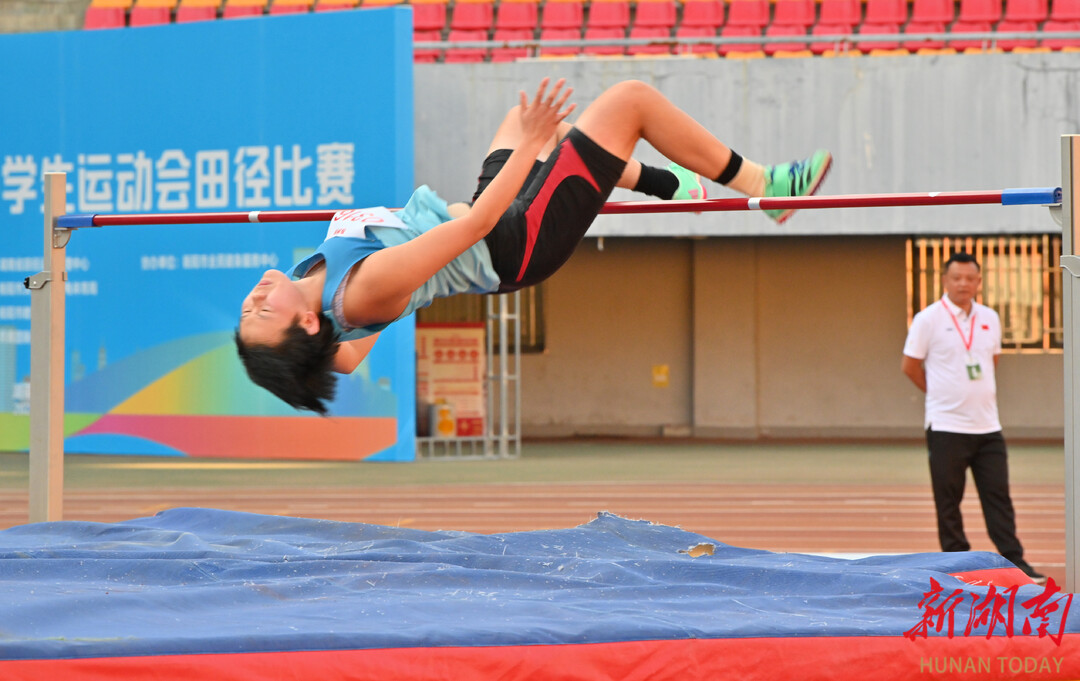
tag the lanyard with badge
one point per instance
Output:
(974, 369)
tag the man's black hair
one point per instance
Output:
(961, 256)
(298, 370)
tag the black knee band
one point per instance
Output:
(731, 170)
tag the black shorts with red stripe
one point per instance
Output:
(559, 200)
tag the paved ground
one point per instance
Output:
(824, 498)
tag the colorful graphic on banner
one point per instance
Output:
(224, 115)
(451, 370)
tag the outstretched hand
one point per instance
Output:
(540, 118)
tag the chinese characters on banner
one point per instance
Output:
(257, 177)
(1043, 615)
(451, 366)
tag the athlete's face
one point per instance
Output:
(271, 307)
(962, 281)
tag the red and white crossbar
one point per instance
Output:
(1004, 197)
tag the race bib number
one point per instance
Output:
(355, 222)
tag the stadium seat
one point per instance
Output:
(1022, 15)
(790, 17)
(976, 16)
(235, 9)
(1060, 43)
(653, 33)
(562, 15)
(879, 47)
(1065, 10)
(472, 16)
(517, 15)
(429, 17)
(560, 34)
(837, 17)
(290, 6)
(708, 13)
(882, 16)
(609, 14)
(561, 21)
(149, 16)
(928, 45)
(933, 12)
(197, 10)
(605, 33)
(504, 54)
(745, 18)
(466, 54)
(425, 54)
(335, 5)
(700, 19)
(608, 19)
(656, 14)
(886, 12)
(104, 17)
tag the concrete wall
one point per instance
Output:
(33, 16)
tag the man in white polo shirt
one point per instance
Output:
(951, 354)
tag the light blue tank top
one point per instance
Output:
(470, 272)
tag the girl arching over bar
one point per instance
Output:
(541, 186)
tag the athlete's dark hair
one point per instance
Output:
(298, 370)
(961, 256)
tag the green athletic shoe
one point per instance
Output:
(690, 186)
(798, 178)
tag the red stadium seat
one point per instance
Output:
(504, 54)
(466, 54)
(707, 13)
(656, 14)
(976, 16)
(914, 27)
(609, 14)
(1036, 11)
(745, 18)
(790, 17)
(608, 19)
(335, 5)
(932, 12)
(196, 12)
(429, 16)
(879, 46)
(687, 33)
(1060, 43)
(562, 15)
(701, 19)
(561, 21)
(472, 16)
(1065, 10)
(653, 32)
(290, 6)
(837, 17)
(1022, 15)
(979, 11)
(149, 16)
(426, 54)
(886, 12)
(235, 10)
(517, 15)
(104, 17)
(799, 13)
(560, 34)
(604, 33)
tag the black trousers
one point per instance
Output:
(951, 454)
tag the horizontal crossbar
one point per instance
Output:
(1004, 197)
